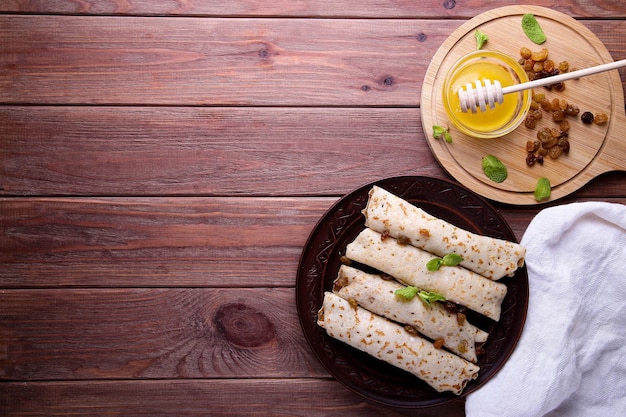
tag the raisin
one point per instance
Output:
(546, 104)
(558, 115)
(525, 52)
(532, 146)
(572, 110)
(555, 152)
(544, 135)
(530, 121)
(587, 117)
(600, 118)
(539, 55)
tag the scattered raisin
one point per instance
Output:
(587, 117)
(531, 158)
(532, 146)
(530, 121)
(600, 118)
(563, 143)
(546, 104)
(555, 152)
(558, 115)
(572, 110)
(539, 55)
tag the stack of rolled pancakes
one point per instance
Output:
(424, 339)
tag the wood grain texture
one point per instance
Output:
(153, 333)
(209, 61)
(154, 242)
(128, 151)
(309, 8)
(275, 397)
(176, 242)
(209, 151)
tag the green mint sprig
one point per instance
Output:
(440, 131)
(494, 169)
(409, 292)
(532, 29)
(451, 259)
(543, 189)
(481, 38)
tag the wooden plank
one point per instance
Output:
(208, 151)
(154, 242)
(209, 61)
(174, 242)
(307, 8)
(241, 398)
(68, 334)
(214, 151)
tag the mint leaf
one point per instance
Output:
(481, 38)
(532, 29)
(440, 131)
(452, 259)
(434, 264)
(543, 189)
(408, 293)
(494, 169)
(430, 296)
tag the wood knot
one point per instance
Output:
(449, 4)
(388, 81)
(243, 326)
(421, 37)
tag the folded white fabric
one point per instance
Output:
(571, 358)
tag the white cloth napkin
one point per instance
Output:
(571, 358)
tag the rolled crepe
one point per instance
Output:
(407, 264)
(490, 257)
(432, 320)
(390, 342)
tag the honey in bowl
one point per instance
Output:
(492, 122)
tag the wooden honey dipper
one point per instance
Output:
(479, 96)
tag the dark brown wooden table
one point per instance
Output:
(161, 166)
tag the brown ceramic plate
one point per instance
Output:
(320, 262)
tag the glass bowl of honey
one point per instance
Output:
(493, 122)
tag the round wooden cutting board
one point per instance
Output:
(594, 149)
